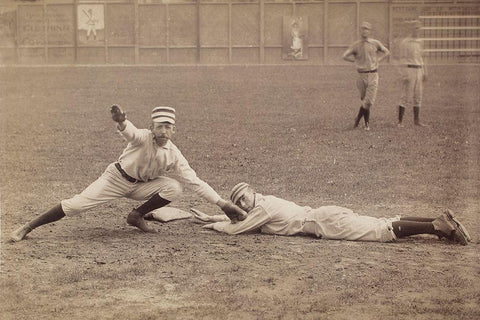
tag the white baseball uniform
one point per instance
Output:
(142, 160)
(273, 215)
(412, 59)
(366, 59)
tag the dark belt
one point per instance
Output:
(370, 71)
(414, 66)
(125, 175)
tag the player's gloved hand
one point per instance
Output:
(233, 212)
(118, 115)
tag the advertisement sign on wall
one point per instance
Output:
(91, 24)
(295, 38)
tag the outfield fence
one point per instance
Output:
(156, 32)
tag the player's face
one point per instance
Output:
(247, 200)
(415, 31)
(163, 131)
(364, 32)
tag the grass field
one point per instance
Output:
(287, 131)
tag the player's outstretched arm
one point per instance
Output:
(232, 211)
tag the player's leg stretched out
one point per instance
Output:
(445, 226)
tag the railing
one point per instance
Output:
(152, 32)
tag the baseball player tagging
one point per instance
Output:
(139, 174)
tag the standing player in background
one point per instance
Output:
(272, 215)
(413, 73)
(138, 174)
(366, 53)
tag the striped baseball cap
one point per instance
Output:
(238, 191)
(163, 114)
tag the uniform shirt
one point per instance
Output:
(412, 51)
(270, 215)
(144, 160)
(365, 53)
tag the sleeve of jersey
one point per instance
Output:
(350, 51)
(256, 218)
(131, 133)
(189, 177)
(382, 48)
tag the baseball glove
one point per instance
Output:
(233, 212)
(118, 115)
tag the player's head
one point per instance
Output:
(243, 196)
(415, 27)
(365, 29)
(163, 124)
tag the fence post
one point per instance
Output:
(325, 31)
(198, 31)
(136, 31)
(230, 53)
(262, 32)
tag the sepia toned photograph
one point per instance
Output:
(240, 159)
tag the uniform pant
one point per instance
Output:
(333, 222)
(112, 185)
(367, 84)
(412, 90)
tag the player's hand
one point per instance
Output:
(200, 215)
(208, 226)
(118, 115)
(233, 212)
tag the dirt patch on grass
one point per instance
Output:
(287, 135)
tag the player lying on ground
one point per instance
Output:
(272, 215)
(138, 174)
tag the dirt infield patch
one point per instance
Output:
(287, 131)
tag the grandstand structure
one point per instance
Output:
(223, 32)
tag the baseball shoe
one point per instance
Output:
(135, 219)
(149, 216)
(459, 227)
(367, 127)
(446, 228)
(400, 125)
(20, 233)
(420, 124)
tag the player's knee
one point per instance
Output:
(173, 191)
(73, 206)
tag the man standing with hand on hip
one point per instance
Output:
(139, 174)
(366, 53)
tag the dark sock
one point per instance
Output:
(366, 116)
(359, 116)
(417, 219)
(153, 203)
(416, 115)
(401, 112)
(404, 228)
(52, 215)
